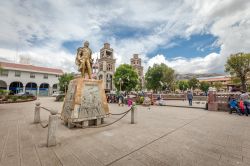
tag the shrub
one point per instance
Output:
(139, 100)
(14, 98)
(7, 97)
(60, 97)
(3, 92)
(23, 97)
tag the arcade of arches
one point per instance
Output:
(43, 89)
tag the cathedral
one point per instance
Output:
(136, 64)
(104, 67)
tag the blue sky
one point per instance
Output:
(198, 45)
(199, 35)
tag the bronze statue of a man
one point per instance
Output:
(84, 60)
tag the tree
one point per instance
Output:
(183, 85)
(204, 86)
(218, 85)
(238, 65)
(1, 69)
(193, 83)
(125, 78)
(64, 81)
(159, 77)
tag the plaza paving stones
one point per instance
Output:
(163, 136)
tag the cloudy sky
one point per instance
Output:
(192, 36)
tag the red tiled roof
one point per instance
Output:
(30, 68)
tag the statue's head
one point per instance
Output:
(86, 44)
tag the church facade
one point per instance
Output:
(106, 67)
(137, 65)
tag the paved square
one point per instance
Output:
(163, 136)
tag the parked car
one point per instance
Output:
(55, 94)
(27, 94)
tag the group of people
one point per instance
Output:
(121, 99)
(240, 105)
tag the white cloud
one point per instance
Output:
(207, 64)
(38, 29)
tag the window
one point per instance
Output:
(109, 68)
(101, 67)
(4, 72)
(100, 77)
(45, 76)
(108, 53)
(57, 75)
(17, 73)
(32, 75)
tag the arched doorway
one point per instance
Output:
(54, 88)
(109, 81)
(100, 77)
(31, 87)
(3, 85)
(16, 87)
(44, 89)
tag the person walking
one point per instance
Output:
(120, 99)
(190, 97)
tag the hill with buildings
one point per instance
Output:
(191, 75)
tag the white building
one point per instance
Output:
(37, 80)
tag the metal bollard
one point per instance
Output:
(133, 113)
(52, 127)
(37, 113)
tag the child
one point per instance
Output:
(129, 102)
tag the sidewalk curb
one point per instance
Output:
(185, 106)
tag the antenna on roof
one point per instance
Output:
(15, 57)
(24, 59)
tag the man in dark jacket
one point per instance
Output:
(190, 97)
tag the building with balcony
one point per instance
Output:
(224, 81)
(41, 81)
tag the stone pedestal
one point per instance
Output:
(212, 96)
(85, 101)
(212, 103)
(212, 106)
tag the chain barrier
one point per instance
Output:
(105, 125)
(47, 123)
(120, 113)
(80, 125)
(45, 109)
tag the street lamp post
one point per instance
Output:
(121, 82)
(65, 87)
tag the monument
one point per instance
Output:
(85, 102)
